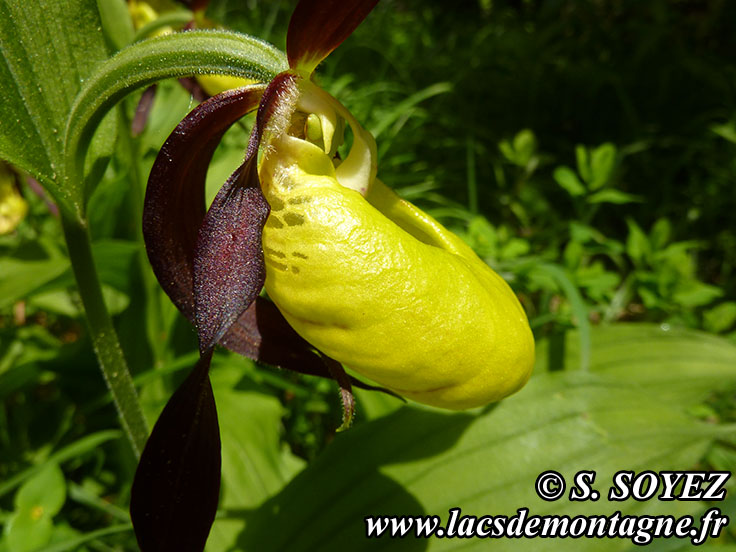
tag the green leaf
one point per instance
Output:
(602, 162)
(597, 281)
(21, 278)
(36, 502)
(74, 450)
(373, 405)
(424, 462)
(255, 463)
(515, 247)
(672, 365)
(577, 303)
(75, 543)
(25, 532)
(170, 56)
(610, 195)
(507, 151)
(525, 144)
(114, 261)
(482, 237)
(691, 293)
(48, 49)
(45, 490)
(420, 461)
(660, 233)
(573, 254)
(582, 157)
(406, 106)
(637, 244)
(116, 22)
(255, 459)
(176, 18)
(726, 131)
(566, 178)
(720, 318)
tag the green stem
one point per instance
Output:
(104, 339)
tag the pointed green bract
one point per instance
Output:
(143, 63)
(48, 50)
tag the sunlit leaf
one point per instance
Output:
(602, 163)
(48, 50)
(426, 462)
(116, 22)
(37, 501)
(720, 318)
(20, 278)
(46, 490)
(567, 178)
(610, 195)
(675, 365)
(256, 464)
(74, 450)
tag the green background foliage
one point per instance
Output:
(585, 150)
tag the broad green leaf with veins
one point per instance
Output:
(373, 281)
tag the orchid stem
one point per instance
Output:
(104, 338)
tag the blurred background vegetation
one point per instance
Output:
(585, 149)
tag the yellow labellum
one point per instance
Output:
(376, 283)
(215, 84)
(13, 208)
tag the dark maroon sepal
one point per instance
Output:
(174, 206)
(228, 263)
(177, 483)
(319, 26)
(143, 110)
(195, 5)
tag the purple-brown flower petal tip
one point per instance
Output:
(319, 26)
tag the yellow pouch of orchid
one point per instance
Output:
(374, 282)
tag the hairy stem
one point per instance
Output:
(104, 339)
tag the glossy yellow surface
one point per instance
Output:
(13, 208)
(382, 287)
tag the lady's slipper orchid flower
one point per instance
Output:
(353, 273)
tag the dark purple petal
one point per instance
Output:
(174, 207)
(191, 85)
(228, 265)
(263, 334)
(173, 213)
(195, 5)
(177, 483)
(319, 26)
